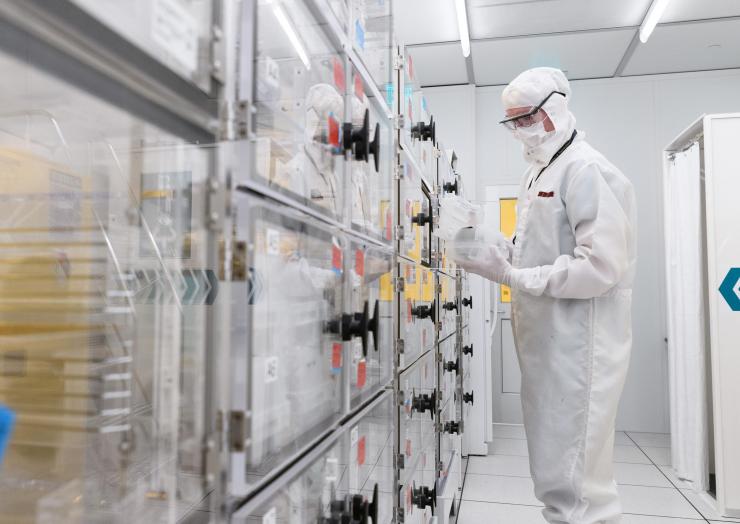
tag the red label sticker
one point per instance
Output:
(336, 355)
(409, 316)
(333, 131)
(411, 67)
(361, 451)
(338, 74)
(360, 262)
(408, 447)
(424, 338)
(336, 258)
(359, 88)
(361, 373)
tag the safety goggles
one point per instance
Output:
(531, 117)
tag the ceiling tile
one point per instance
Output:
(582, 55)
(679, 10)
(688, 47)
(439, 64)
(497, 18)
(424, 21)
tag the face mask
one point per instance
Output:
(534, 141)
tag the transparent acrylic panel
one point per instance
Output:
(178, 33)
(417, 491)
(285, 331)
(415, 214)
(417, 414)
(358, 464)
(448, 305)
(371, 31)
(372, 165)
(107, 282)
(299, 99)
(447, 379)
(371, 292)
(417, 311)
(449, 443)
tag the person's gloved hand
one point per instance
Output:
(491, 263)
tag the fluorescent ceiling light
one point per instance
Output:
(657, 8)
(290, 32)
(462, 25)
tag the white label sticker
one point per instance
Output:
(272, 236)
(272, 72)
(271, 369)
(354, 436)
(270, 517)
(332, 469)
(176, 31)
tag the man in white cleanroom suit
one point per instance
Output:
(571, 268)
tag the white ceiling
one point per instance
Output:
(587, 38)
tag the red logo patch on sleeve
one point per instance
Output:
(548, 194)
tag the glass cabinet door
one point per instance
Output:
(300, 86)
(371, 299)
(108, 282)
(286, 326)
(371, 32)
(371, 167)
(178, 33)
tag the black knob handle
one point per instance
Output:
(358, 325)
(424, 402)
(451, 365)
(449, 306)
(452, 427)
(424, 497)
(450, 187)
(468, 397)
(421, 219)
(424, 131)
(468, 350)
(372, 509)
(373, 325)
(468, 302)
(357, 139)
(424, 311)
(375, 147)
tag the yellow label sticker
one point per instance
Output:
(508, 227)
(427, 284)
(386, 287)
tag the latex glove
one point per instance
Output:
(491, 262)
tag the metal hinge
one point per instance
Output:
(400, 515)
(399, 232)
(400, 346)
(398, 62)
(398, 172)
(437, 152)
(401, 398)
(217, 53)
(440, 357)
(237, 430)
(439, 286)
(440, 465)
(241, 119)
(399, 122)
(400, 285)
(400, 461)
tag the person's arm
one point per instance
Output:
(603, 235)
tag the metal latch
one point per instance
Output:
(400, 346)
(399, 232)
(400, 461)
(237, 430)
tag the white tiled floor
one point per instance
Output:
(498, 488)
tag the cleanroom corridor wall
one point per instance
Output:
(630, 120)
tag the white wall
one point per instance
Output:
(630, 120)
